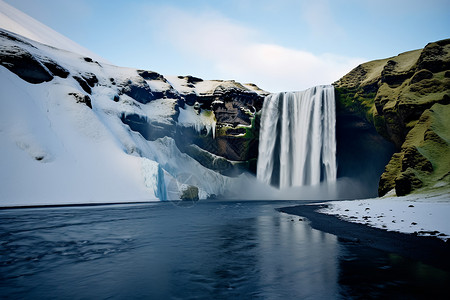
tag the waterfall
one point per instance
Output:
(297, 142)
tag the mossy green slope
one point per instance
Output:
(407, 99)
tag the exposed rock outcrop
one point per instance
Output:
(406, 98)
(23, 64)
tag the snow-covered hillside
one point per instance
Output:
(55, 149)
(74, 129)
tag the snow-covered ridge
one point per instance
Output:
(64, 138)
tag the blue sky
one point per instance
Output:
(280, 45)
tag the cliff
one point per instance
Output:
(406, 98)
(74, 129)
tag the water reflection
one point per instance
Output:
(367, 273)
(213, 250)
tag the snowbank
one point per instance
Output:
(422, 214)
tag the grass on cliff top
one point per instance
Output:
(404, 62)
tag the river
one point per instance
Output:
(210, 250)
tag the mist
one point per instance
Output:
(248, 187)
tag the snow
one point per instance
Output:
(180, 84)
(160, 110)
(423, 214)
(16, 21)
(158, 85)
(208, 87)
(81, 162)
(54, 150)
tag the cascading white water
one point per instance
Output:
(297, 141)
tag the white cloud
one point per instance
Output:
(235, 51)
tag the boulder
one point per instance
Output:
(80, 98)
(138, 89)
(190, 193)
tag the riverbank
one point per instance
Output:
(428, 249)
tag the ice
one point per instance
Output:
(189, 117)
(154, 178)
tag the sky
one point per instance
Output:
(282, 45)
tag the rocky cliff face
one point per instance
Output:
(226, 110)
(406, 99)
(162, 127)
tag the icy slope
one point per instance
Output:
(64, 139)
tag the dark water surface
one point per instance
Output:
(211, 250)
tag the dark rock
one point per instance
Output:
(23, 64)
(237, 148)
(190, 99)
(116, 98)
(90, 60)
(90, 78)
(54, 68)
(80, 98)
(181, 103)
(413, 159)
(84, 85)
(139, 90)
(421, 75)
(406, 182)
(430, 135)
(148, 129)
(210, 161)
(434, 57)
(361, 152)
(236, 131)
(190, 194)
(191, 79)
(150, 75)
(392, 76)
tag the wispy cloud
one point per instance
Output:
(239, 52)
